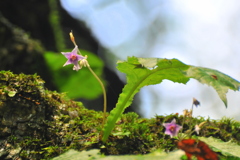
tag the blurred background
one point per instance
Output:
(201, 32)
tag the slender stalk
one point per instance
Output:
(86, 64)
(192, 110)
(104, 93)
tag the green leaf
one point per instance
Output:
(94, 154)
(219, 81)
(77, 84)
(139, 76)
(226, 148)
(11, 93)
(149, 71)
(75, 155)
(151, 156)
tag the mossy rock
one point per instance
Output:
(37, 123)
(40, 124)
(20, 53)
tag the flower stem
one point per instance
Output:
(86, 64)
(104, 94)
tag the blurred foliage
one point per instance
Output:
(54, 20)
(94, 154)
(227, 149)
(76, 84)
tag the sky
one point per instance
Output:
(197, 32)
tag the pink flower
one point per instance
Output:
(172, 128)
(73, 58)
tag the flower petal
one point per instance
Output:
(73, 58)
(172, 128)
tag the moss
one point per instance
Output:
(40, 124)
